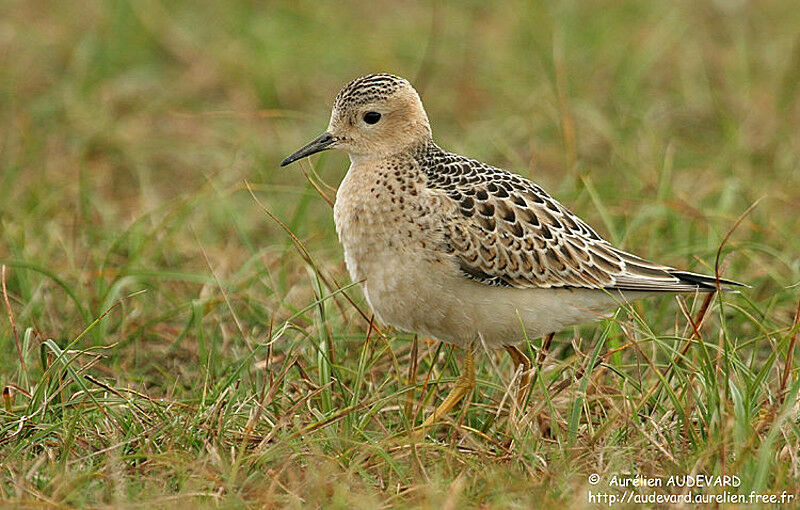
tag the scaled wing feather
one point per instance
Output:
(504, 230)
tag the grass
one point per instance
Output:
(168, 343)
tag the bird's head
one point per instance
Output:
(373, 116)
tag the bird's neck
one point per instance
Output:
(419, 146)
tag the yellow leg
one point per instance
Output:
(545, 348)
(520, 360)
(464, 384)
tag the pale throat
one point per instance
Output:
(359, 159)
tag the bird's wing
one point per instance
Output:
(504, 230)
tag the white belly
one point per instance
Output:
(425, 299)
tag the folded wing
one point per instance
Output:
(504, 230)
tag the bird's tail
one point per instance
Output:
(706, 283)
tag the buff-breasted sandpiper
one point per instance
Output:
(464, 252)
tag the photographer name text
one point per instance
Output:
(697, 481)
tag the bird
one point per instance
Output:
(464, 252)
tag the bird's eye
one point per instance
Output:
(372, 117)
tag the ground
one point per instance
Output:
(178, 327)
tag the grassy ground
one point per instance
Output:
(165, 343)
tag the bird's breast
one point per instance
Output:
(383, 218)
(364, 220)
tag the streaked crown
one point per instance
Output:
(367, 89)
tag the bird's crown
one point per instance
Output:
(368, 89)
